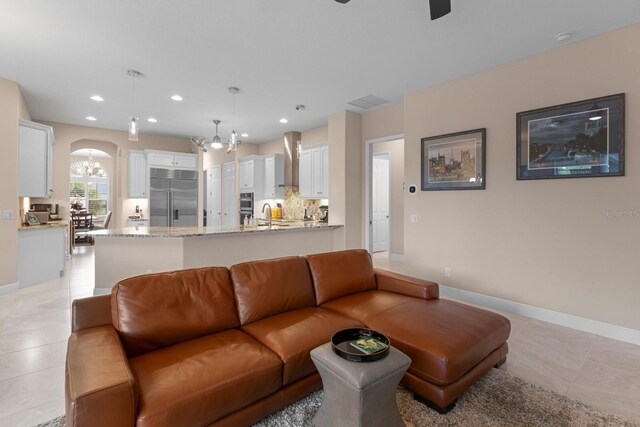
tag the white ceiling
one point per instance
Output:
(278, 52)
(86, 152)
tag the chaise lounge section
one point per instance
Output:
(226, 347)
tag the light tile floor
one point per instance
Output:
(35, 324)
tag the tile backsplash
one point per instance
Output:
(294, 205)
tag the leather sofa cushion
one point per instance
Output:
(265, 288)
(443, 338)
(157, 310)
(365, 306)
(202, 380)
(293, 334)
(336, 274)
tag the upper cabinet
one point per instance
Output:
(137, 174)
(314, 172)
(168, 159)
(274, 176)
(251, 175)
(35, 160)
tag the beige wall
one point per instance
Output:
(546, 243)
(345, 175)
(396, 195)
(315, 136)
(12, 108)
(272, 147)
(384, 122)
(110, 141)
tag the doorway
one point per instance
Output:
(384, 197)
(380, 209)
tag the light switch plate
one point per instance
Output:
(7, 214)
(414, 217)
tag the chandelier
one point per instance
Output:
(88, 167)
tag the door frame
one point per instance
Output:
(368, 193)
(387, 156)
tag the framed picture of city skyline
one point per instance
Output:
(576, 140)
(455, 161)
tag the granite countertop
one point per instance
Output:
(164, 232)
(52, 224)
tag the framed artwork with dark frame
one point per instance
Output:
(576, 140)
(455, 161)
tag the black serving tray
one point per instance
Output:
(341, 339)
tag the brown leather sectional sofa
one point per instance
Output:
(226, 347)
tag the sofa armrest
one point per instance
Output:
(405, 285)
(90, 312)
(100, 389)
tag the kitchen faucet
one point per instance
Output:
(267, 205)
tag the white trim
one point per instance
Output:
(596, 327)
(367, 193)
(8, 289)
(101, 291)
(396, 257)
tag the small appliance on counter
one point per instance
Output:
(323, 215)
(45, 212)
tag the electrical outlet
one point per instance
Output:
(414, 217)
(447, 272)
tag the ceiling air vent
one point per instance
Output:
(369, 101)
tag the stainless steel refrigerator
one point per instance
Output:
(174, 198)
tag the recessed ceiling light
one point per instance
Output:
(91, 118)
(152, 120)
(563, 37)
(283, 120)
(245, 135)
(97, 98)
(594, 118)
(176, 98)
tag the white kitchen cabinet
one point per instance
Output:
(35, 160)
(304, 174)
(41, 254)
(314, 172)
(274, 176)
(251, 175)
(167, 159)
(137, 174)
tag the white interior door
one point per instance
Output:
(380, 203)
(230, 210)
(214, 197)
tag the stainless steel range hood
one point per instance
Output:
(291, 161)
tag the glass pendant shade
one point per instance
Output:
(133, 129)
(216, 142)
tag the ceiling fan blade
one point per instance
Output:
(439, 8)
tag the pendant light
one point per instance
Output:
(133, 120)
(216, 142)
(233, 142)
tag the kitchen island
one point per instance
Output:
(132, 251)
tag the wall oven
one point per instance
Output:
(246, 206)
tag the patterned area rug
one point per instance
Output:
(497, 400)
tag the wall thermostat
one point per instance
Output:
(413, 189)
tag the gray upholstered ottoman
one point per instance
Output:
(359, 393)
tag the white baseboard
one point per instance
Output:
(101, 291)
(596, 327)
(396, 257)
(8, 289)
